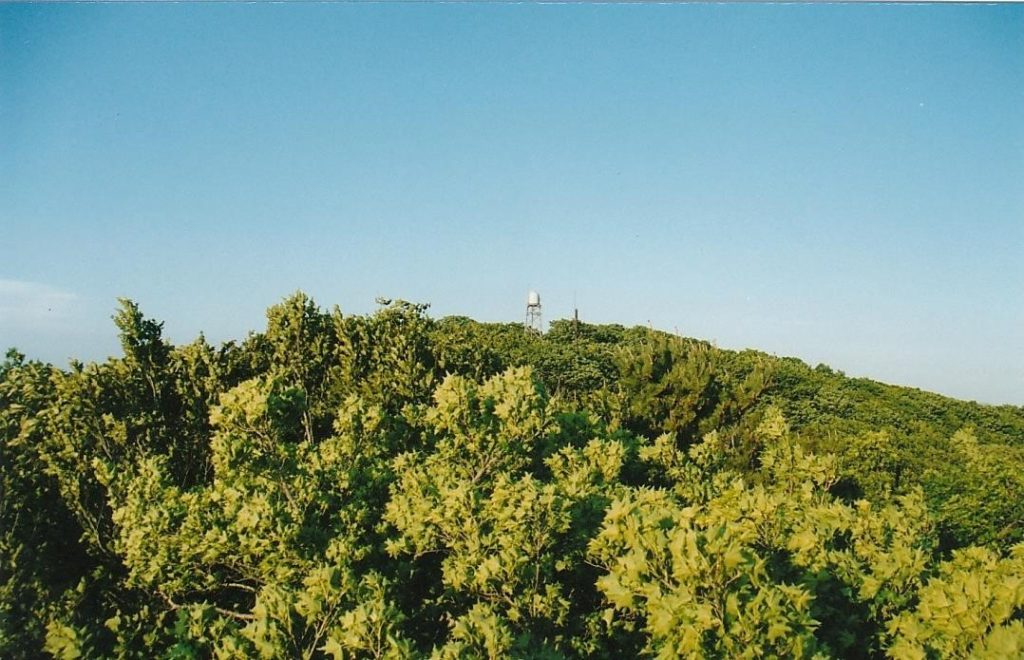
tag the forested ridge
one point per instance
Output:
(392, 485)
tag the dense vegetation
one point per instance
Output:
(392, 486)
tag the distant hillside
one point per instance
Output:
(575, 357)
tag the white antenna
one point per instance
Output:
(533, 312)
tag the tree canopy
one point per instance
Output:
(392, 485)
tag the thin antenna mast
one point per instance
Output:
(575, 317)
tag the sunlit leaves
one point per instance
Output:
(971, 608)
(391, 486)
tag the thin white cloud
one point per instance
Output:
(52, 324)
(32, 304)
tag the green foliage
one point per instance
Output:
(37, 532)
(722, 567)
(972, 608)
(392, 486)
(499, 512)
(681, 387)
(387, 357)
(977, 492)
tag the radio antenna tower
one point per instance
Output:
(533, 312)
(575, 318)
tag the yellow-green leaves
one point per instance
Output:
(701, 586)
(722, 566)
(499, 515)
(386, 486)
(479, 633)
(972, 608)
(63, 641)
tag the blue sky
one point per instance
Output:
(841, 183)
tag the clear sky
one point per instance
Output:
(840, 183)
